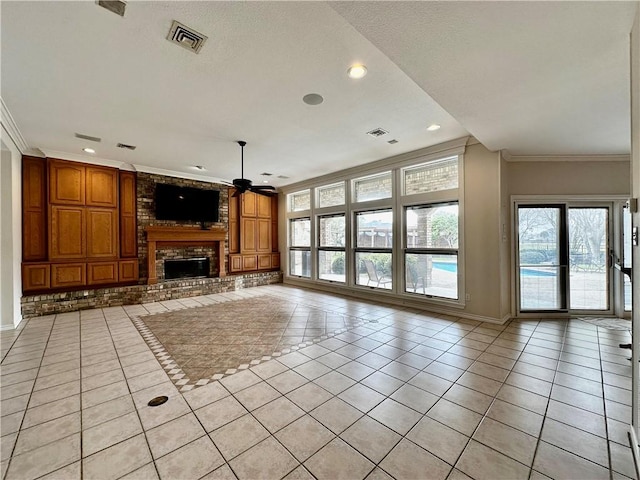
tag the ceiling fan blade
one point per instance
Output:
(237, 193)
(263, 187)
(266, 193)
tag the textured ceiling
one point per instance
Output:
(534, 78)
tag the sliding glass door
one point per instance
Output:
(542, 258)
(563, 258)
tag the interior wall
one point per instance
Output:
(555, 176)
(482, 233)
(505, 241)
(10, 233)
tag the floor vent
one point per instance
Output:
(116, 6)
(186, 37)
(377, 132)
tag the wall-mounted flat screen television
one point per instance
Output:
(186, 203)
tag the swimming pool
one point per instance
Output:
(527, 272)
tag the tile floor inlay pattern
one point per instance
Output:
(412, 395)
(206, 342)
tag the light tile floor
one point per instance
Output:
(404, 395)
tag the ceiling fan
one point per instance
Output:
(243, 184)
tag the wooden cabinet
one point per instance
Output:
(248, 233)
(67, 232)
(128, 215)
(252, 232)
(128, 270)
(234, 230)
(263, 206)
(264, 235)
(102, 273)
(248, 202)
(68, 275)
(34, 209)
(102, 232)
(36, 276)
(101, 187)
(66, 182)
(72, 215)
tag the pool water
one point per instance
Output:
(527, 272)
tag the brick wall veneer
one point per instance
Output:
(146, 185)
(37, 305)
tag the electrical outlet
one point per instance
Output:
(467, 297)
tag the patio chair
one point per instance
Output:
(373, 274)
(414, 280)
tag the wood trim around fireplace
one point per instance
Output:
(183, 236)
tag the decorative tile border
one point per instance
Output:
(184, 384)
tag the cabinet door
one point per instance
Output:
(249, 262)
(274, 224)
(34, 208)
(249, 208)
(235, 263)
(264, 206)
(66, 182)
(128, 224)
(102, 187)
(66, 229)
(35, 277)
(275, 260)
(102, 233)
(264, 261)
(264, 234)
(248, 235)
(68, 275)
(128, 271)
(102, 273)
(234, 240)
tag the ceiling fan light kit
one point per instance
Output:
(244, 184)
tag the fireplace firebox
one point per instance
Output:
(186, 268)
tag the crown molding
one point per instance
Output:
(173, 173)
(75, 157)
(12, 128)
(568, 158)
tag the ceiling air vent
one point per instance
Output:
(392, 142)
(377, 132)
(115, 6)
(128, 147)
(283, 176)
(186, 37)
(266, 174)
(88, 137)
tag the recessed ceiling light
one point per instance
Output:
(265, 181)
(433, 127)
(312, 99)
(89, 150)
(357, 71)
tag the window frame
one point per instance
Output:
(396, 203)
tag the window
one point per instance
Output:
(343, 230)
(374, 187)
(331, 248)
(331, 195)
(431, 252)
(299, 201)
(300, 247)
(431, 177)
(373, 252)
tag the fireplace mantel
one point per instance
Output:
(180, 237)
